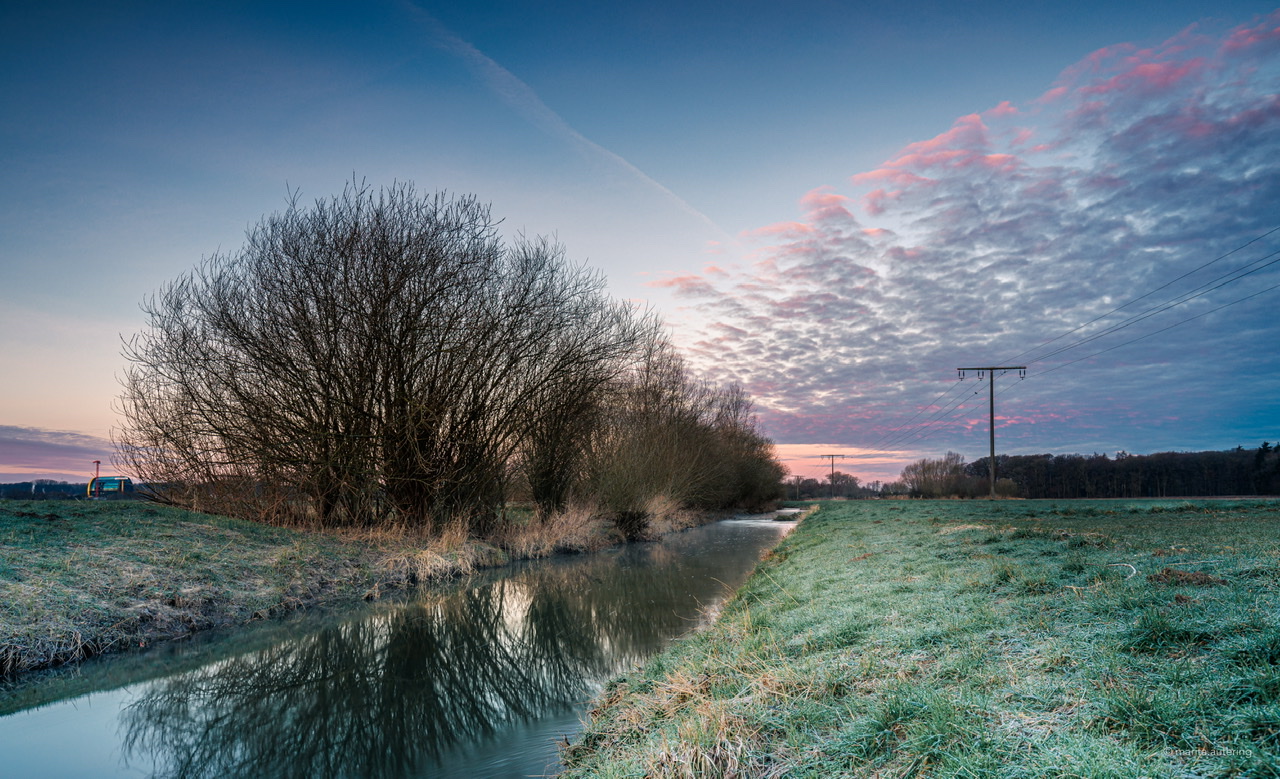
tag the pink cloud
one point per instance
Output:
(766, 266)
(1202, 123)
(822, 197)
(1258, 116)
(689, 285)
(729, 330)
(967, 132)
(964, 145)
(1005, 108)
(1047, 190)
(1266, 35)
(1096, 60)
(1001, 161)
(893, 176)
(935, 158)
(1053, 94)
(1148, 77)
(1089, 114)
(822, 204)
(877, 201)
(784, 229)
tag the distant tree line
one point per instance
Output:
(43, 489)
(387, 357)
(837, 484)
(1238, 471)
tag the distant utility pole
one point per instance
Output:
(832, 458)
(991, 388)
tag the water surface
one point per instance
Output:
(479, 679)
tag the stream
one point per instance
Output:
(480, 678)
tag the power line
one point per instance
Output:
(951, 409)
(915, 436)
(954, 409)
(1161, 330)
(1146, 295)
(886, 436)
(900, 435)
(1166, 306)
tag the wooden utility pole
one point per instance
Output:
(991, 388)
(832, 458)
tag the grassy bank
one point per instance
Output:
(975, 639)
(78, 578)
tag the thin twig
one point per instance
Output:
(1078, 590)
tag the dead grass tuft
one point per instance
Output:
(666, 516)
(425, 565)
(1178, 577)
(577, 529)
(719, 745)
(946, 531)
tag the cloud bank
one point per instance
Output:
(27, 453)
(1013, 227)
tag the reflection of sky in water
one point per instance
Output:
(478, 679)
(69, 739)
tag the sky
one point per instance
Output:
(834, 204)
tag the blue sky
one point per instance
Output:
(834, 203)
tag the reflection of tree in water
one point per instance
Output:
(385, 695)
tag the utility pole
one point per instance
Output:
(991, 388)
(832, 458)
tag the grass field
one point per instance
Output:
(975, 639)
(80, 578)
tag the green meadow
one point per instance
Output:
(975, 639)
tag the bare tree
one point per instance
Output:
(938, 478)
(667, 435)
(378, 355)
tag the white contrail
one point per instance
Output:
(526, 102)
